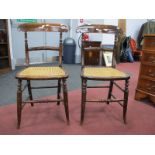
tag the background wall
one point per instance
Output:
(35, 39)
(132, 29)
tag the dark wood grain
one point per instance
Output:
(146, 80)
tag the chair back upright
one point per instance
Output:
(103, 29)
(42, 27)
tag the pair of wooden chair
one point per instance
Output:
(31, 73)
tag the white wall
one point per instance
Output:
(109, 38)
(36, 39)
(10, 45)
(111, 22)
(133, 26)
(73, 25)
(132, 29)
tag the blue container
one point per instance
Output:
(69, 47)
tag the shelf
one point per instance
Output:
(4, 47)
(148, 63)
(148, 50)
(4, 57)
(3, 43)
(147, 78)
(2, 29)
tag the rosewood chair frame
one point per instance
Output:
(61, 81)
(104, 29)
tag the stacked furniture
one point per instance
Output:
(4, 47)
(146, 80)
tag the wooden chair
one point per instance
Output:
(100, 72)
(31, 73)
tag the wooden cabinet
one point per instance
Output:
(4, 47)
(146, 80)
(91, 57)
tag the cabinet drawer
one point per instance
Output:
(92, 43)
(148, 57)
(149, 43)
(91, 57)
(146, 85)
(148, 71)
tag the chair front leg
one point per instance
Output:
(19, 102)
(59, 91)
(30, 91)
(83, 99)
(65, 98)
(126, 93)
(110, 91)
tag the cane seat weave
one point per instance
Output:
(42, 72)
(103, 72)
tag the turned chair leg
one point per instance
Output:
(83, 100)
(30, 91)
(126, 93)
(65, 96)
(19, 103)
(110, 91)
(58, 91)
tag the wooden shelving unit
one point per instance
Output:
(146, 80)
(4, 47)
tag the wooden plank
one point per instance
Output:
(122, 25)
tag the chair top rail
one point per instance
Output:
(97, 28)
(47, 27)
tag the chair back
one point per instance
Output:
(102, 29)
(42, 27)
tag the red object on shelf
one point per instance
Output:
(85, 37)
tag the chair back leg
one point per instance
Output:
(58, 91)
(110, 91)
(30, 91)
(126, 93)
(19, 103)
(83, 100)
(65, 98)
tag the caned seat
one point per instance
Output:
(52, 72)
(42, 72)
(102, 71)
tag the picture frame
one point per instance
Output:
(108, 58)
